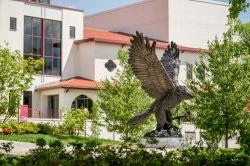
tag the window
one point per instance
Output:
(110, 65)
(189, 72)
(53, 106)
(81, 102)
(42, 39)
(52, 47)
(27, 100)
(32, 37)
(13, 23)
(72, 32)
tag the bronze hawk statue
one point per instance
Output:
(160, 80)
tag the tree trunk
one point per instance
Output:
(226, 135)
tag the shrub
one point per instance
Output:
(60, 129)
(93, 154)
(40, 143)
(20, 128)
(7, 131)
(244, 138)
(75, 119)
(44, 128)
(30, 128)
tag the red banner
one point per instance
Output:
(23, 113)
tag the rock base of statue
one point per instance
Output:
(167, 143)
(163, 139)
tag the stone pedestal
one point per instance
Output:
(165, 142)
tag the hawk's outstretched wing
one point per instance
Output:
(148, 69)
(171, 62)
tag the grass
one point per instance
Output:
(66, 139)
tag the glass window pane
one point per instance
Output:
(56, 66)
(13, 23)
(72, 31)
(57, 29)
(37, 46)
(47, 66)
(27, 25)
(27, 98)
(27, 45)
(48, 47)
(36, 27)
(48, 28)
(57, 48)
(189, 74)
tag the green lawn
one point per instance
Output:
(66, 139)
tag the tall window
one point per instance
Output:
(189, 68)
(72, 32)
(13, 23)
(53, 106)
(32, 37)
(52, 47)
(42, 39)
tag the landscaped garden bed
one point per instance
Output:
(30, 132)
(93, 154)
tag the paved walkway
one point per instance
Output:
(20, 148)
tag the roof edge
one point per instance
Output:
(61, 84)
(51, 5)
(122, 43)
(142, 2)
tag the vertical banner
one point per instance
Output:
(23, 113)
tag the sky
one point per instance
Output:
(95, 6)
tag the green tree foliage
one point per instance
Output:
(121, 98)
(236, 7)
(75, 119)
(16, 75)
(95, 117)
(221, 98)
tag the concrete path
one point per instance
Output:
(20, 148)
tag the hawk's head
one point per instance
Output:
(184, 93)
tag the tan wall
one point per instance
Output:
(187, 22)
(149, 17)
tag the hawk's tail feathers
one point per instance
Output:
(140, 117)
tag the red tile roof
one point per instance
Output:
(124, 39)
(73, 83)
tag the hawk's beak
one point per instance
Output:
(190, 94)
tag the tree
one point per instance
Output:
(16, 75)
(121, 98)
(236, 7)
(96, 123)
(221, 97)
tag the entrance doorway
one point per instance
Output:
(82, 102)
(53, 106)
